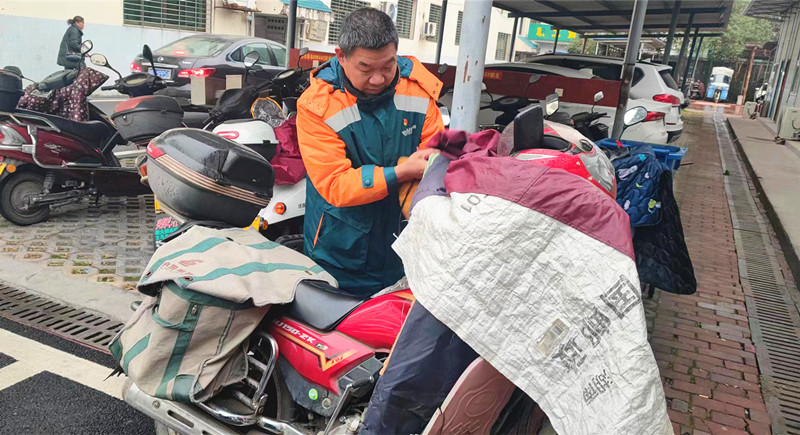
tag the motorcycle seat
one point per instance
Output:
(94, 133)
(581, 116)
(320, 305)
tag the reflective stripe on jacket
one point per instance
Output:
(350, 148)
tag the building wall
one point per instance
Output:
(36, 53)
(786, 69)
(36, 56)
(94, 11)
(417, 45)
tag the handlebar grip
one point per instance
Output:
(108, 88)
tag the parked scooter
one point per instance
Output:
(587, 122)
(695, 93)
(242, 116)
(49, 161)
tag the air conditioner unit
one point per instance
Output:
(430, 30)
(789, 126)
(389, 7)
(303, 29)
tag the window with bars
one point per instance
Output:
(405, 18)
(171, 14)
(434, 16)
(458, 27)
(501, 53)
(340, 9)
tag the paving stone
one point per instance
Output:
(707, 335)
(100, 243)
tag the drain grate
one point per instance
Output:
(72, 323)
(774, 319)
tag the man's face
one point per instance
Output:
(370, 71)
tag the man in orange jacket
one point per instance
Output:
(364, 110)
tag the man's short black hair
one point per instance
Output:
(366, 28)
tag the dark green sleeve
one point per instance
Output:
(73, 40)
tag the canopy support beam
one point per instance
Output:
(697, 57)
(441, 33)
(469, 70)
(673, 25)
(513, 40)
(689, 59)
(631, 52)
(676, 72)
(291, 29)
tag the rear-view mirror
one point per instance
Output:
(443, 68)
(634, 116)
(598, 96)
(99, 60)
(551, 104)
(445, 115)
(86, 47)
(251, 59)
(534, 78)
(303, 51)
(147, 53)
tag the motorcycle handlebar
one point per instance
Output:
(108, 88)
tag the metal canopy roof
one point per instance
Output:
(614, 16)
(776, 10)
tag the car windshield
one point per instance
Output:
(194, 46)
(668, 80)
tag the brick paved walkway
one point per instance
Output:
(702, 342)
(110, 243)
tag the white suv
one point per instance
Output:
(650, 82)
(652, 130)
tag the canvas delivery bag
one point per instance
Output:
(204, 293)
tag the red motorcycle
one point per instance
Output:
(313, 363)
(48, 161)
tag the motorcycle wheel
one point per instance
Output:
(13, 193)
(716, 96)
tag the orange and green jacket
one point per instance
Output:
(350, 148)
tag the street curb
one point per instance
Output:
(792, 260)
(107, 300)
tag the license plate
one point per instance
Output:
(163, 73)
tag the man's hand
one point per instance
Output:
(414, 166)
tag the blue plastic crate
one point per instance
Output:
(667, 154)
